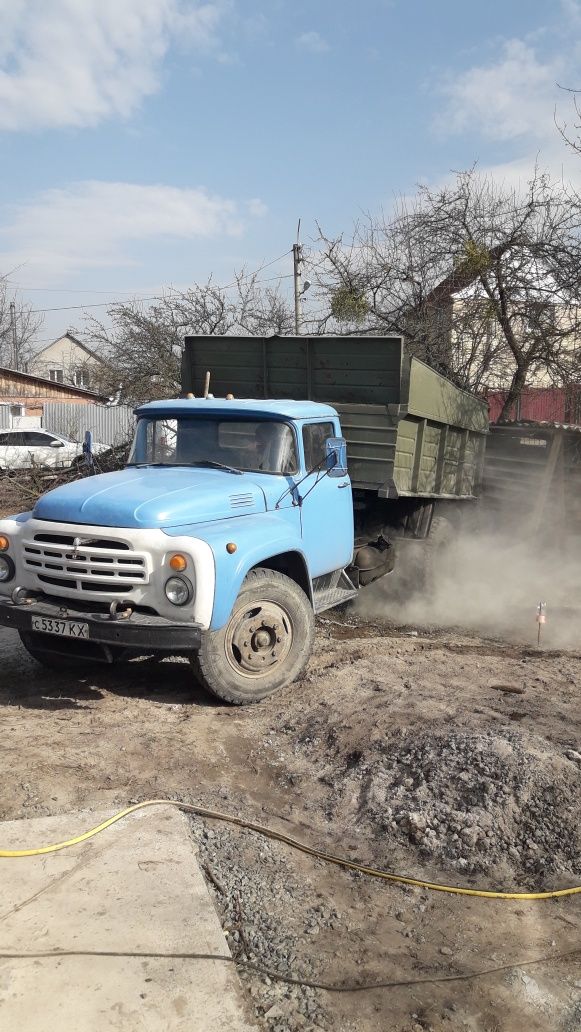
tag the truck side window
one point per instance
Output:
(314, 437)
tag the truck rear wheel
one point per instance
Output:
(435, 546)
(265, 645)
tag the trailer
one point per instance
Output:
(532, 479)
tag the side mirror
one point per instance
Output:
(336, 448)
(56, 444)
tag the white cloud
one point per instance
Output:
(256, 207)
(96, 224)
(572, 11)
(516, 99)
(510, 98)
(77, 62)
(314, 42)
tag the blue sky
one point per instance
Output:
(155, 142)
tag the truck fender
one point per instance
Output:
(264, 539)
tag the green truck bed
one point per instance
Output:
(410, 432)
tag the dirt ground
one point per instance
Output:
(438, 754)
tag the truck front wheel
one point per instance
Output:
(264, 646)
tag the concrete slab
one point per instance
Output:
(123, 905)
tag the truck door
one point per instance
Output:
(327, 508)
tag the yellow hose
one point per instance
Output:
(351, 865)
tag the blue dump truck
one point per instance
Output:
(237, 518)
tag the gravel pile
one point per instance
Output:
(469, 802)
(271, 918)
(492, 804)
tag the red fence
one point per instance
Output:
(553, 404)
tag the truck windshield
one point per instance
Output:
(257, 446)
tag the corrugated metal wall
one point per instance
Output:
(111, 426)
(4, 417)
(554, 404)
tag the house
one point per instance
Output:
(459, 323)
(66, 360)
(22, 394)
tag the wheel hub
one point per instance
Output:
(259, 638)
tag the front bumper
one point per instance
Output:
(138, 631)
(85, 586)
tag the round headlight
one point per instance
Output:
(178, 590)
(6, 569)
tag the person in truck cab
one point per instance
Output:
(263, 446)
(274, 448)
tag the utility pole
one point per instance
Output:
(297, 278)
(15, 355)
(297, 259)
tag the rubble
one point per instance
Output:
(467, 802)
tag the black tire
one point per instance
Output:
(36, 645)
(273, 619)
(438, 540)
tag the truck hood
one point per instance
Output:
(152, 498)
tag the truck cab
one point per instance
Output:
(231, 525)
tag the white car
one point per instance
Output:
(24, 449)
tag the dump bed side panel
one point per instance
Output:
(367, 370)
(371, 444)
(434, 460)
(433, 397)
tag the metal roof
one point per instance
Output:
(539, 424)
(17, 374)
(282, 409)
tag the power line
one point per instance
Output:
(63, 290)
(99, 304)
(154, 297)
(133, 293)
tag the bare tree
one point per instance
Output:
(141, 345)
(482, 279)
(571, 133)
(26, 326)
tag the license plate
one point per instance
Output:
(65, 628)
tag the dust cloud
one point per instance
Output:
(486, 583)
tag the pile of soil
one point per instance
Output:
(493, 798)
(496, 802)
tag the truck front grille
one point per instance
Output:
(84, 564)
